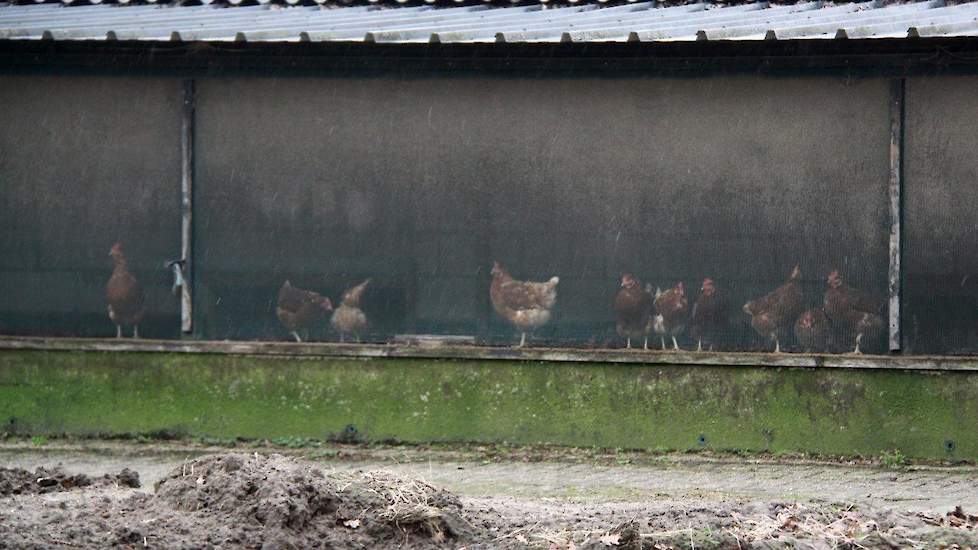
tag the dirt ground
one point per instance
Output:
(85, 496)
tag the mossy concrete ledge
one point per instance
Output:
(923, 414)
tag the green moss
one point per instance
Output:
(781, 410)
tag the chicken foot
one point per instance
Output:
(663, 339)
(777, 344)
(135, 331)
(628, 343)
(675, 344)
(522, 340)
(645, 346)
(296, 336)
(699, 346)
(118, 331)
(859, 339)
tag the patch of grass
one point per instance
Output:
(894, 459)
(322, 453)
(296, 442)
(39, 441)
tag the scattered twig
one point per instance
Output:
(516, 532)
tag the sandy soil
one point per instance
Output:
(401, 498)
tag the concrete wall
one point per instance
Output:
(422, 182)
(86, 162)
(831, 411)
(941, 167)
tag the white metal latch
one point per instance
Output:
(180, 288)
(176, 266)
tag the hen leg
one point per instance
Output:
(699, 345)
(296, 336)
(646, 345)
(859, 339)
(675, 345)
(118, 331)
(135, 331)
(522, 340)
(663, 339)
(777, 344)
(628, 343)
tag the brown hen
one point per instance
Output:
(634, 307)
(348, 317)
(813, 330)
(525, 305)
(671, 310)
(299, 310)
(853, 313)
(776, 311)
(709, 317)
(124, 294)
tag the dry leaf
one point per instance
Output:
(522, 539)
(610, 540)
(352, 523)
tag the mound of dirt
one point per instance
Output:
(17, 481)
(256, 501)
(231, 501)
(294, 504)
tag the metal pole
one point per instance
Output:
(187, 206)
(897, 95)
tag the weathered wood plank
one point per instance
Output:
(187, 206)
(471, 352)
(897, 88)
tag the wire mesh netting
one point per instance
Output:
(940, 285)
(568, 182)
(86, 163)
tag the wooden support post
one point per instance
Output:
(897, 94)
(187, 207)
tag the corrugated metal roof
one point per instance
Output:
(644, 21)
